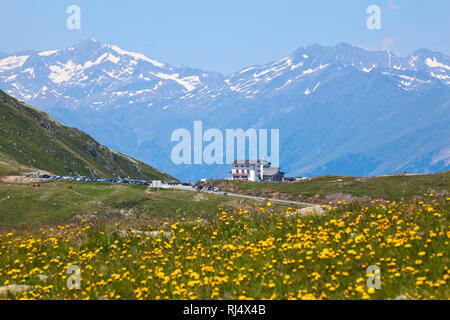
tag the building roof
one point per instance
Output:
(250, 162)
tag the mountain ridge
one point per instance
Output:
(333, 104)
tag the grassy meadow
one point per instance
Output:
(251, 251)
(394, 188)
(55, 202)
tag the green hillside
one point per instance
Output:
(9, 167)
(32, 138)
(329, 188)
(58, 202)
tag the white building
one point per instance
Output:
(255, 170)
(156, 184)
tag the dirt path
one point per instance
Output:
(21, 179)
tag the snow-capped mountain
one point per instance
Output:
(306, 65)
(96, 75)
(340, 110)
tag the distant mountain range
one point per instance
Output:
(340, 110)
(30, 138)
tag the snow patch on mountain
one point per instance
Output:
(368, 69)
(190, 83)
(308, 92)
(65, 72)
(47, 53)
(12, 62)
(137, 56)
(433, 63)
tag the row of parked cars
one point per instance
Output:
(125, 181)
(203, 188)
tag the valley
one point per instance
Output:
(340, 110)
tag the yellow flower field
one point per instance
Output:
(250, 253)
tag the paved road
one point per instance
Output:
(269, 199)
(188, 188)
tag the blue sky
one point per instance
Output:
(226, 35)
